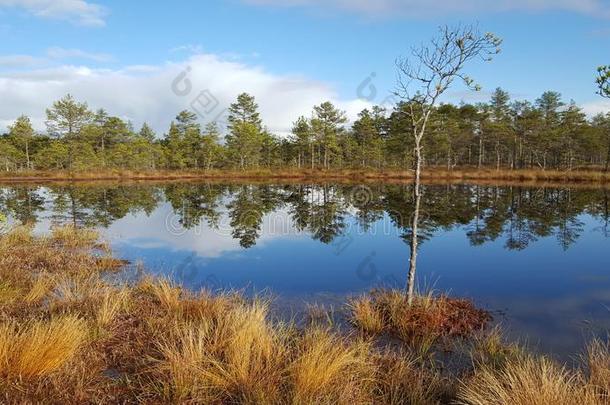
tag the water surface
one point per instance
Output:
(536, 256)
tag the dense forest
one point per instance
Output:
(501, 134)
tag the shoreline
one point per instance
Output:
(430, 176)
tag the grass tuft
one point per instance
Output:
(526, 381)
(39, 289)
(166, 293)
(39, 348)
(597, 361)
(112, 302)
(238, 358)
(366, 315)
(329, 370)
(71, 237)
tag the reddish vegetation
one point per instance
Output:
(452, 317)
(428, 316)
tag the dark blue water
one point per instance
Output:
(537, 257)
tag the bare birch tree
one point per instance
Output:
(423, 77)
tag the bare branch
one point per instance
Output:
(603, 81)
(431, 69)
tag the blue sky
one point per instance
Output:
(290, 54)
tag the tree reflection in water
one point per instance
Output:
(518, 215)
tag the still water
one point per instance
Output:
(537, 257)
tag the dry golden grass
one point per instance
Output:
(239, 358)
(111, 302)
(75, 292)
(165, 292)
(491, 350)
(70, 237)
(404, 378)
(365, 315)
(41, 286)
(39, 348)
(9, 293)
(184, 364)
(329, 370)
(597, 361)
(19, 235)
(7, 337)
(69, 254)
(526, 381)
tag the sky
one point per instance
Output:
(146, 61)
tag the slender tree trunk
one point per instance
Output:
(27, 154)
(103, 152)
(606, 213)
(544, 161)
(608, 157)
(480, 151)
(513, 162)
(73, 206)
(312, 154)
(415, 223)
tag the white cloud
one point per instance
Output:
(203, 240)
(428, 8)
(188, 48)
(78, 12)
(63, 53)
(157, 93)
(19, 61)
(596, 107)
(52, 57)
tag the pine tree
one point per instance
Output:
(245, 138)
(22, 134)
(368, 139)
(211, 150)
(244, 109)
(67, 117)
(327, 124)
(147, 133)
(549, 104)
(500, 122)
(244, 144)
(303, 139)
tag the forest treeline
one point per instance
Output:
(502, 134)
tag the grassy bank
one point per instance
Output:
(431, 174)
(68, 334)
